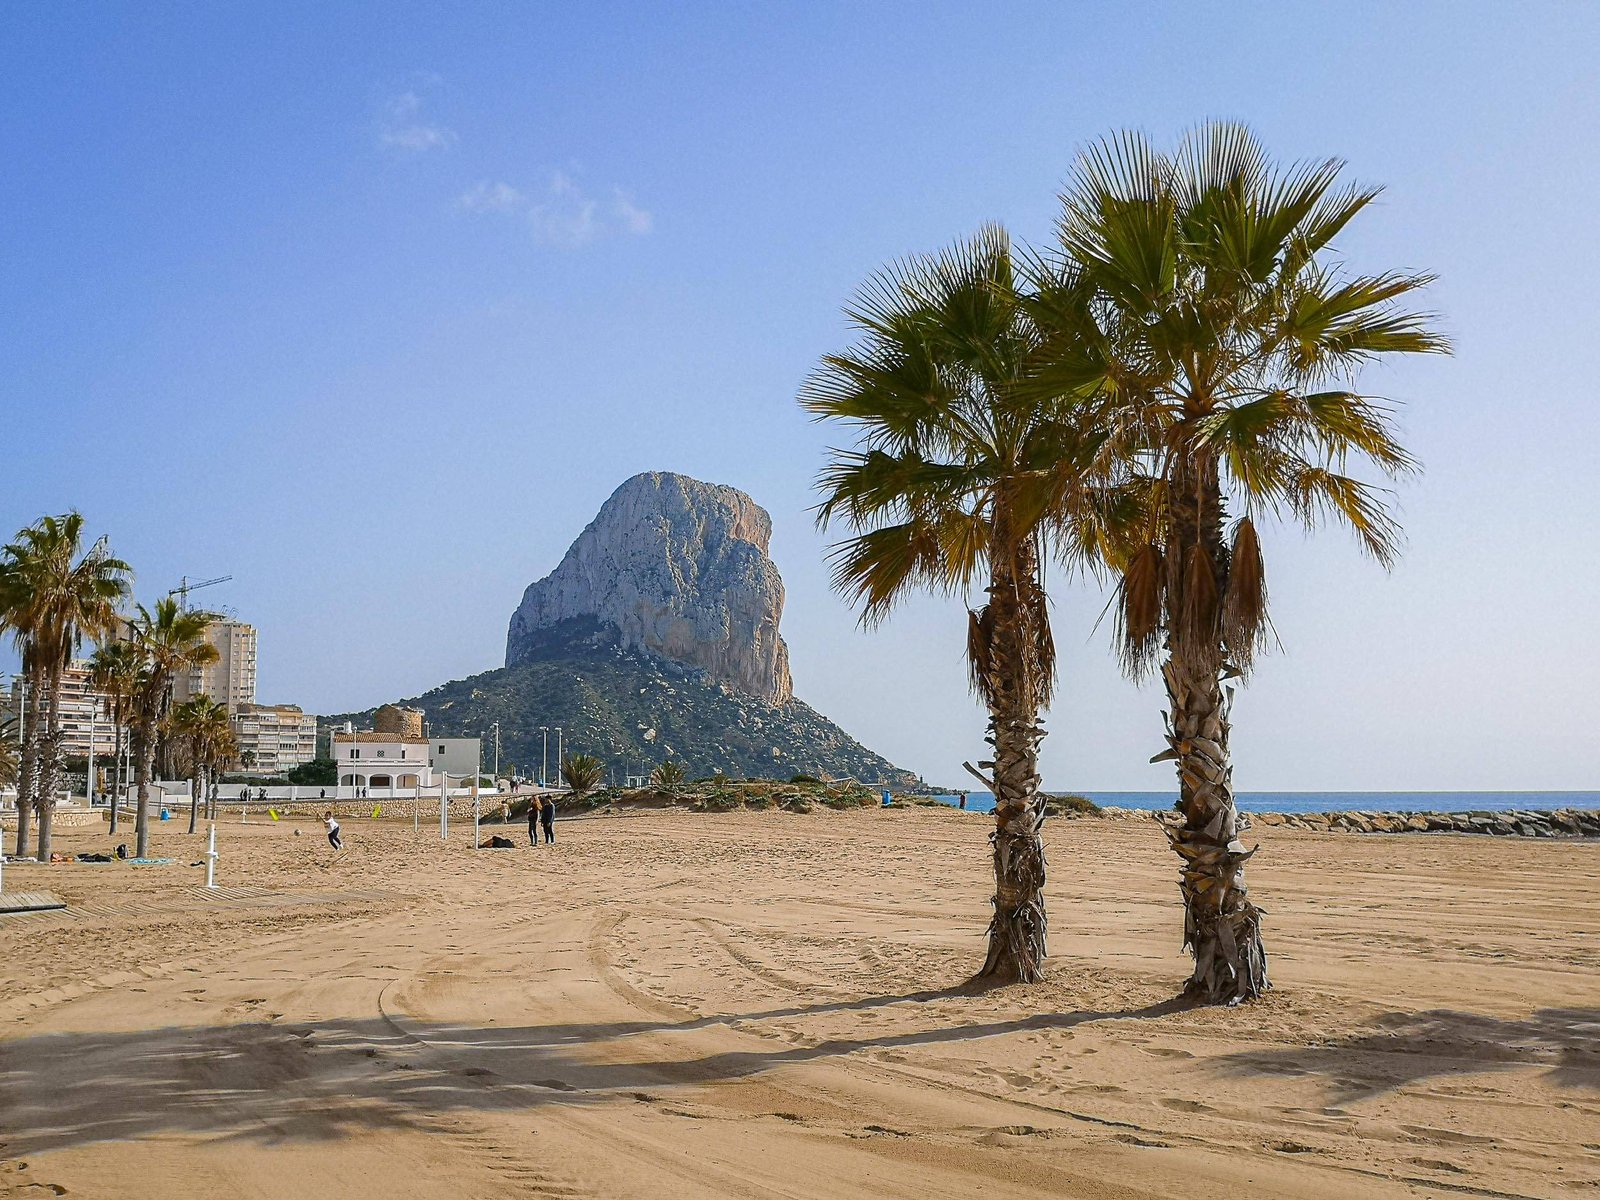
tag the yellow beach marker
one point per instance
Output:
(273, 813)
(375, 809)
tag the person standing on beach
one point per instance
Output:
(533, 818)
(334, 839)
(547, 818)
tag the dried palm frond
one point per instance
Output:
(1244, 607)
(980, 651)
(1139, 609)
(1196, 616)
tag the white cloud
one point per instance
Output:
(564, 216)
(404, 128)
(563, 213)
(491, 197)
(630, 216)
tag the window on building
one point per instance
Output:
(353, 752)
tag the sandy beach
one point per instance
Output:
(772, 1004)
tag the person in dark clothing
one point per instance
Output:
(547, 818)
(533, 820)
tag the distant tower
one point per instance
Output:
(407, 722)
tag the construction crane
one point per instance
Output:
(185, 587)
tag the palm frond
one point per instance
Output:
(1140, 603)
(1244, 606)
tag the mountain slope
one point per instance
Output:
(635, 709)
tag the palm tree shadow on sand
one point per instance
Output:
(274, 1082)
(1402, 1049)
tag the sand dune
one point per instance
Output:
(756, 1005)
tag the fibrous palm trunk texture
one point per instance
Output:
(1011, 671)
(1220, 925)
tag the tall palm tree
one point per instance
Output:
(15, 616)
(957, 481)
(114, 673)
(167, 640)
(58, 594)
(1225, 339)
(202, 730)
(10, 756)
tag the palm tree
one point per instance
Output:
(957, 480)
(58, 593)
(1225, 340)
(668, 774)
(201, 728)
(583, 773)
(10, 756)
(168, 640)
(114, 672)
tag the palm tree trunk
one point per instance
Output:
(146, 749)
(1017, 932)
(28, 775)
(116, 768)
(1220, 924)
(50, 764)
(194, 799)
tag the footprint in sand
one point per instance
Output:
(1133, 1139)
(1167, 1052)
(1449, 1136)
(1438, 1164)
(1188, 1106)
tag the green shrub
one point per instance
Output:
(1071, 806)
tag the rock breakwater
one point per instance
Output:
(1559, 823)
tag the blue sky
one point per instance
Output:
(371, 306)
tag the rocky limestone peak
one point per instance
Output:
(680, 567)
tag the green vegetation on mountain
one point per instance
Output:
(635, 711)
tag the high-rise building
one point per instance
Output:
(231, 680)
(274, 737)
(82, 709)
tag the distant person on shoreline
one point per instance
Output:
(334, 839)
(963, 802)
(547, 818)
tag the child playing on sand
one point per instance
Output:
(334, 839)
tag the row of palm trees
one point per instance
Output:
(1180, 363)
(56, 592)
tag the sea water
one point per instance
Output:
(1302, 802)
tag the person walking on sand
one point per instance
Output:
(334, 839)
(533, 818)
(547, 818)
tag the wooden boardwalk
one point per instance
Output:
(26, 902)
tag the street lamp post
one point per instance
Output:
(88, 782)
(558, 756)
(497, 753)
(544, 752)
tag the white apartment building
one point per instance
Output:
(82, 709)
(274, 738)
(231, 680)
